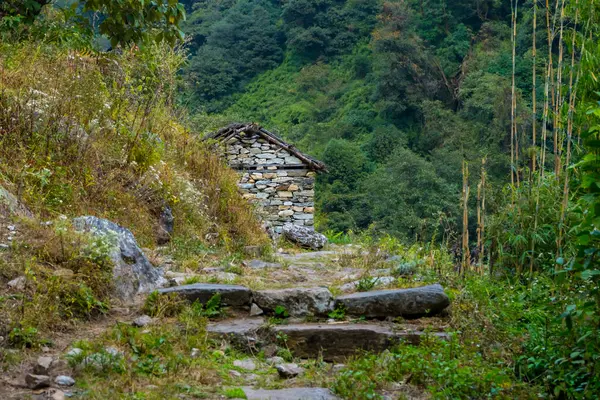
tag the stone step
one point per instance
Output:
(318, 301)
(333, 341)
(408, 303)
(336, 342)
(243, 333)
(298, 302)
(231, 295)
(289, 394)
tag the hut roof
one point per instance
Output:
(239, 130)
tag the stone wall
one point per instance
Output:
(274, 180)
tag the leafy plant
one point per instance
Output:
(24, 337)
(339, 313)
(281, 312)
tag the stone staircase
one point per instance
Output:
(308, 333)
(370, 321)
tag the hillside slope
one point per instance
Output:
(378, 90)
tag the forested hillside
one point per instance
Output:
(383, 92)
(462, 140)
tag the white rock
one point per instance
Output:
(247, 364)
(64, 380)
(18, 283)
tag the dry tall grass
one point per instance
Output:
(98, 134)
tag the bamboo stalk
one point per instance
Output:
(466, 254)
(513, 130)
(512, 99)
(558, 102)
(545, 121)
(481, 215)
(572, 98)
(533, 90)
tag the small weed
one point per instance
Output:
(280, 315)
(235, 269)
(285, 353)
(405, 268)
(190, 280)
(367, 283)
(24, 337)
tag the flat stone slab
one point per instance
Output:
(260, 264)
(231, 295)
(243, 333)
(298, 302)
(410, 303)
(336, 342)
(290, 394)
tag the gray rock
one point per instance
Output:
(259, 264)
(247, 364)
(289, 370)
(270, 350)
(226, 276)
(377, 281)
(235, 374)
(35, 382)
(255, 310)
(166, 223)
(43, 365)
(289, 394)
(253, 251)
(132, 271)
(298, 302)
(18, 283)
(274, 360)
(336, 342)
(113, 351)
(142, 320)
(54, 394)
(64, 380)
(304, 236)
(411, 303)
(231, 295)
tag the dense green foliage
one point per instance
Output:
(372, 88)
(122, 22)
(393, 96)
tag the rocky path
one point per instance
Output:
(283, 316)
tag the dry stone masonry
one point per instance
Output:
(274, 175)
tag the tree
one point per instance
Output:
(122, 22)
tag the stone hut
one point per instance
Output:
(274, 175)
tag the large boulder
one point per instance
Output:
(231, 295)
(132, 271)
(10, 205)
(298, 302)
(408, 303)
(304, 236)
